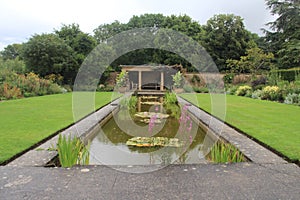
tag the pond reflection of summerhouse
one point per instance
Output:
(149, 78)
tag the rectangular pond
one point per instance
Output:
(110, 144)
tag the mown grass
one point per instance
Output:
(25, 122)
(274, 124)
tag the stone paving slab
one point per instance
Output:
(202, 181)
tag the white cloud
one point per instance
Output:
(21, 19)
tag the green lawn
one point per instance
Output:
(24, 122)
(275, 124)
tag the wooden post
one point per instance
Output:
(140, 80)
(139, 104)
(161, 81)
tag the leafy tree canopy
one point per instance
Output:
(226, 38)
(11, 51)
(254, 61)
(284, 39)
(82, 43)
(48, 54)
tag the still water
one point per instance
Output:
(109, 147)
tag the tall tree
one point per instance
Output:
(11, 51)
(48, 54)
(82, 43)
(146, 20)
(284, 39)
(105, 31)
(185, 25)
(226, 38)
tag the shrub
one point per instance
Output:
(288, 74)
(14, 65)
(129, 103)
(257, 94)
(261, 80)
(228, 78)
(273, 77)
(10, 92)
(272, 93)
(293, 87)
(248, 93)
(122, 79)
(170, 98)
(132, 103)
(177, 78)
(292, 99)
(201, 89)
(242, 90)
(55, 89)
(232, 89)
(14, 85)
(188, 88)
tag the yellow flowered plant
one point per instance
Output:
(242, 90)
(271, 93)
(271, 89)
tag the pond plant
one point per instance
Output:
(171, 104)
(186, 124)
(72, 151)
(225, 153)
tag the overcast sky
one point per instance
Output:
(20, 19)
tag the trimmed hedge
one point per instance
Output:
(288, 74)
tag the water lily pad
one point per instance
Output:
(151, 114)
(151, 103)
(154, 142)
(157, 121)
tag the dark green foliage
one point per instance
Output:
(261, 80)
(105, 31)
(284, 39)
(11, 51)
(200, 89)
(15, 65)
(254, 62)
(228, 78)
(48, 54)
(181, 23)
(170, 98)
(226, 38)
(82, 43)
(288, 75)
(171, 104)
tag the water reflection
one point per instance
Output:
(109, 146)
